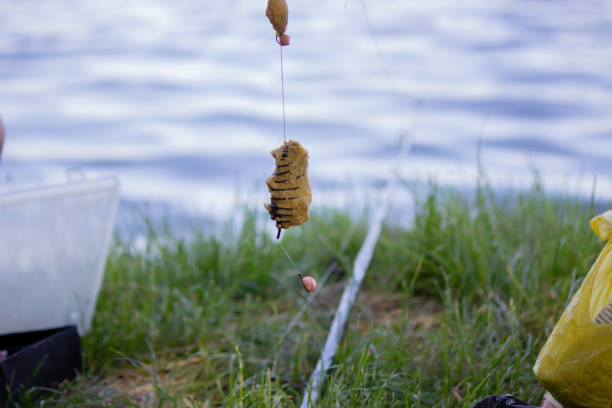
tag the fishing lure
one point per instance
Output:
(289, 187)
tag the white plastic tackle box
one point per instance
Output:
(53, 247)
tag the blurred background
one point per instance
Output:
(182, 99)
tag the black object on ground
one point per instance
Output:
(38, 359)
(502, 401)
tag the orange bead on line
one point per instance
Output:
(309, 283)
(283, 39)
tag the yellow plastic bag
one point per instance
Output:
(575, 364)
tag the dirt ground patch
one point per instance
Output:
(372, 308)
(142, 387)
(135, 388)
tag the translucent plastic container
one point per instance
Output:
(53, 247)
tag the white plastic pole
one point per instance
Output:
(311, 393)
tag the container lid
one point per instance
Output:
(53, 247)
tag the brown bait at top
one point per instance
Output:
(278, 14)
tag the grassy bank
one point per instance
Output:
(452, 310)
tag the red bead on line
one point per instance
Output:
(309, 283)
(283, 39)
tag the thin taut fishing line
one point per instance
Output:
(299, 273)
(283, 91)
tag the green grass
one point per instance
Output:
(215, 321)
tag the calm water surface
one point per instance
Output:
(181, 100)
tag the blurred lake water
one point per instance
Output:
(181, 100)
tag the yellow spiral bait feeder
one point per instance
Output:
(289, 187)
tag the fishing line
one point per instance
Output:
(292, 261)
(282, 89)
(381, 60)
(392, 87)
(350, 232)
(296, 318)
